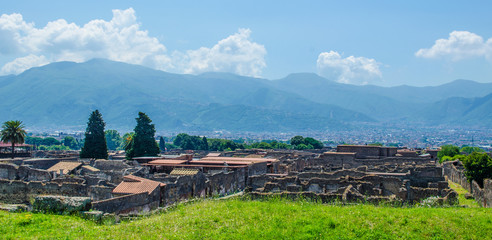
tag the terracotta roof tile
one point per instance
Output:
(184, 171)
(8, 144)
(93, 169)
(133, 184)
(65, 166)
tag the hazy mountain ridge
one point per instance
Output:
(64, 94)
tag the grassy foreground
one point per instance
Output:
(461, 195)
(272, 219)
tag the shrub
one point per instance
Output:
(478, 166)
(448, 150)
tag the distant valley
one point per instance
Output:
(62, 95)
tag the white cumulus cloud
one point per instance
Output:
(23, 63)
(236, 53)
(120, 39)
(354, 70)
(459, 45)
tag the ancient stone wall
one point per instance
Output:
(257, 168)
(16, 191)
(454, 171)
(110, 165)
(183, 187)
(355, 185)
(97, 193)
(32, 174)
(45, 163)
(361, 151)
(223, 183)
(487, 193)
(129, 203)
(8, 171)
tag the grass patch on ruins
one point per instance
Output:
(269, 219)
(461, 195)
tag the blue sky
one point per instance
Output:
(360, 42)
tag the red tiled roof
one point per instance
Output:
(3, 144)
(225, 159)
(219, 162)
(133, 184)
(66, 167)
(165, 161)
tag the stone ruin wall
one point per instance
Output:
(368, 151)
(353, 185)
(16, 191)
(132, 203)
(454, 171)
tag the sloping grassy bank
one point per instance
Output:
(272, 219)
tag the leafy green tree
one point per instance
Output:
(144, 143)
(162, 144)
(204, 144)
(261, 145)
(95, 141)
(13, 132)
(113, 139)
(279, 145)
(478, 166)
(303, 146)
(297, 140)
(33, 140)
(180, 138)
(448, 150)
(54, 148)
(71, 143)
(470, 150)
(313, 142)
(49, 141)
(215, 145)
(188, 143)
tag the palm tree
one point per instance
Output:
(13, 132)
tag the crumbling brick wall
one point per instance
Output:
(455, 172)
(129, 203)
(16, 191)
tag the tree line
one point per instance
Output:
(477, 163)
(189, 142)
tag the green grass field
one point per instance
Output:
(461, 195)
(272, 219)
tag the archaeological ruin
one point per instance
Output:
(347, 174)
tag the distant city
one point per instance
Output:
(404, 137)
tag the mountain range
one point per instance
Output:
(61, 96)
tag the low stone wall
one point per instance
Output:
(111, 165)
(127, 204)
(45, 163)
(454, 171)
(487, 193)
(97, 193)
(183, 187)
(224, 183)
(8, 171)
(15, 191)
(31, 174)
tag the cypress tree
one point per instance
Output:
(144, 143)
(95, 140)
(204, 143)
(162, 144)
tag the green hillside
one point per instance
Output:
(273, 219)
(63, 94)
(382, 103)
